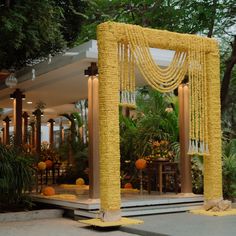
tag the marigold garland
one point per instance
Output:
(136, 52)
(127, 77)
(198, 143)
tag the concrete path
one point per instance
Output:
(184, 224)
(178, 224)
(53, 227)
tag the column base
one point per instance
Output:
(110, 215)
(109, 224)
(217, 205)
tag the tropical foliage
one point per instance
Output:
(154, 120)
(128, 137)
(197, 174)
(74, 152)
(157, 116)
(229, 168)
(16, 177)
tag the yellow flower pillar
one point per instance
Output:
(212, 163)
(109, 145)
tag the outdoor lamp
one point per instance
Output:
(11, 81)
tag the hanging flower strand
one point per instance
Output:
(135, 51)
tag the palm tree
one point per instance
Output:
(157, 119)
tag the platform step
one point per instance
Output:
(144, 210)
(131, 205)
(159, 209)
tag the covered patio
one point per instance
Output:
(58, 84)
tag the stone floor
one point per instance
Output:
(184, 224)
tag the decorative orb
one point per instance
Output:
(128, 186)
(42, 165)
(49, 164)
(140, 164)
(80, 181)
(48, 191)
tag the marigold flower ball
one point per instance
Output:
(41, 165)
(49, 164)
(140, 164)
(48, 191)
(128, 186)
(80, 181)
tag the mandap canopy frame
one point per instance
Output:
(108, 35)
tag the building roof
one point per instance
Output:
(61, 83)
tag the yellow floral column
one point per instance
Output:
(109, 147)
(212, 163)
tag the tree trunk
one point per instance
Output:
(7, 3)
(212, 22)
(228, 73)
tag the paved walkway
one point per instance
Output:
(178, 224)
(53, 227)
(184, 224)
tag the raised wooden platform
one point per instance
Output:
(132, 204)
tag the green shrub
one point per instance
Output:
(16, 177)
(229, 169)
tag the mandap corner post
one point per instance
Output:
(109, 149)
(212, 164)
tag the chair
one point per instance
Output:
(165, 172)
(170, 172)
